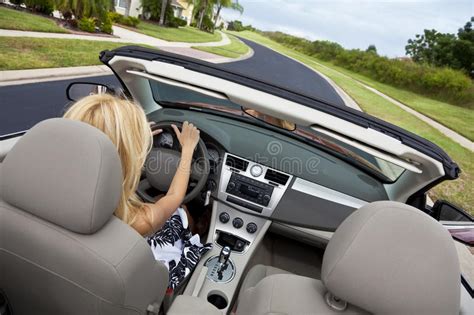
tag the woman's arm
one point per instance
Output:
(157, 214)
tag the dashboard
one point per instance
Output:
(267, 174)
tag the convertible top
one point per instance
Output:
(362, 119)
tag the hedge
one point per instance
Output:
(440, 83)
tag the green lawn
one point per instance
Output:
(32, 53)
(18, 20)
(235, 49)
(460, 191)
(181, 34)
(459, 119)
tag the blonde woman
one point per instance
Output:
(165, 223)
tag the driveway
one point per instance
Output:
(25, 105)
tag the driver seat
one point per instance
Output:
(62, 251)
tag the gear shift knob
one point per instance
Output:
(224, 255)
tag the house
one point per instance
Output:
(181, 8)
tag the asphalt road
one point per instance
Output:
(22, 106)
(272, 67)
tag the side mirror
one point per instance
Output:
(77, 90)
(445, 211)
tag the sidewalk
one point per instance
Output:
(456, 137)
(124, 35)
(127, 36)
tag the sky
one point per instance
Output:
(387, 24)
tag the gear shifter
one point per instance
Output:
(221, 268)
(224, 255)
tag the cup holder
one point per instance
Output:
(218, 300)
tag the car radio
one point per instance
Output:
(249, 189)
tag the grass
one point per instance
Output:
(235, 49)
(459, 191)
(454, 117)
(181, 34)
(23, 21)
(32, 53)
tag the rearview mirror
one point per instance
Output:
(77, 90)
(277, 122)
(445, 211)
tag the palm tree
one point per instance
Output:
(164, 3)
(84, 8)
(203, 6)
(235, 5)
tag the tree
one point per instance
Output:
(444, 49)
(164, 3)
(371, 49)
(203, 7)
(84, 8)
(235, 5)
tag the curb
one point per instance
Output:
(14, 77)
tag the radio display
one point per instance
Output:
(248, 190)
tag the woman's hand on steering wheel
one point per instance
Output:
(188, 137)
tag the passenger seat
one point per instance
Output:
(386, 258)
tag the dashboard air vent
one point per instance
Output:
(236, 163)
(276, 177)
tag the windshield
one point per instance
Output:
(174, 96)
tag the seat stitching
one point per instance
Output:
(96, 185)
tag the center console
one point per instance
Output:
(248, 193)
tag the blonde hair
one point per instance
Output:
(126, 125)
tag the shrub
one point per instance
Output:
(106, 26)
(207, 24)
(87, 24)
(441, 83)
(176, 22)
(120, 19)
(115, 17)
(153, 9)
(41, 6)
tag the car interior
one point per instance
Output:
(310, 220)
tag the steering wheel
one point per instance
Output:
(161, 166)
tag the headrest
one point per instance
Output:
(66, 172)
(390, 258)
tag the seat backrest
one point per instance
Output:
(390, 258)
(61, 249)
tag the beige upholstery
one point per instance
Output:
(386, 258)
(65, 172)
(391, 258)
(287, 294)
(257, 273)
(47, 183)
(191, 305)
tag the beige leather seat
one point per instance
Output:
(386, 258)
(61, 249)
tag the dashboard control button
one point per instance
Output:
(237, 223)
(251, 228)
(239, 245)
(266, 199)
(231, 186)
(224, 217)
(256, 170)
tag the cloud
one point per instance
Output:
(357, 24)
